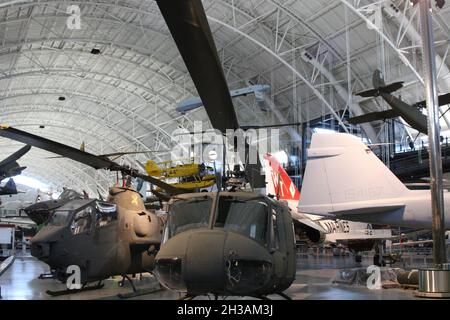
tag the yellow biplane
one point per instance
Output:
(190, 176)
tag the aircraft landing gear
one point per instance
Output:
(84, 288)
(378, 258)
(135, 292)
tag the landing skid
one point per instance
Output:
(285, 296)
(99, 285)
(190, 297)
(46, 276)
(136, 292)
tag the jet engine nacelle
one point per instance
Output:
(308, 234)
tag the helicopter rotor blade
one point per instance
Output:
(190, 29)
(83, 157)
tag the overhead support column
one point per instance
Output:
(433, 282)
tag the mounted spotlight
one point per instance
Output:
(95, 51)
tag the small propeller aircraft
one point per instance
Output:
(410, 113)
(190, 176)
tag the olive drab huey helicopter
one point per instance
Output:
(221, 243)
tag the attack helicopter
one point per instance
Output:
(104, 239)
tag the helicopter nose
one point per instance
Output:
(40, 250)
(184, 260)
(213, 261)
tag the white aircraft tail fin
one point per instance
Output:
(342, 169)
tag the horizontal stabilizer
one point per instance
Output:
(369, 210)
(374, 116)
(376, 92)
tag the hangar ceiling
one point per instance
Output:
(313, 54)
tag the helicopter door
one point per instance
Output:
(278, 242)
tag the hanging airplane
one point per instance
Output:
(410, 113)
(9, 167)
(196, 102)
(344, 179)
(315, 229)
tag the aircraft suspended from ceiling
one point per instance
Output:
(9, 167)
(410, 113)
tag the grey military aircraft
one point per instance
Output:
(9, 166)
(344, 179)
(410, 113)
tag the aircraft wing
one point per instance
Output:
(385, 89)
(443, 100)
(374, 116)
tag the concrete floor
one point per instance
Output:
(314, 281)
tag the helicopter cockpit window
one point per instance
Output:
(105, 214)
(59, 218)
(248, 218)
(69, 194)
(189, 214)
(82, 221)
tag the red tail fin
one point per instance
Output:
(278, 182)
